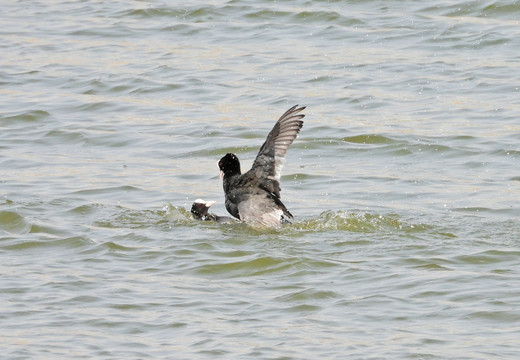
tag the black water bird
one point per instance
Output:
(254, 197)
(200, 211)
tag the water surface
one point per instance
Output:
(404, 181)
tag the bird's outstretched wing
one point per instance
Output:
(270, 159)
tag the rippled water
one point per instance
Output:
(404, 181)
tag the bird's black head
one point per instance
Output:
(229, 165)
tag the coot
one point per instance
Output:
(254, 197)
(200, 208)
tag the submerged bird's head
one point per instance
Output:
(200, 208)
(229, 165)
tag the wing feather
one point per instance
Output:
(271, 157)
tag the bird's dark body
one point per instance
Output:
(242, 188)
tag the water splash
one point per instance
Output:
(350, 221)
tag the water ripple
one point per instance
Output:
(403, 181)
